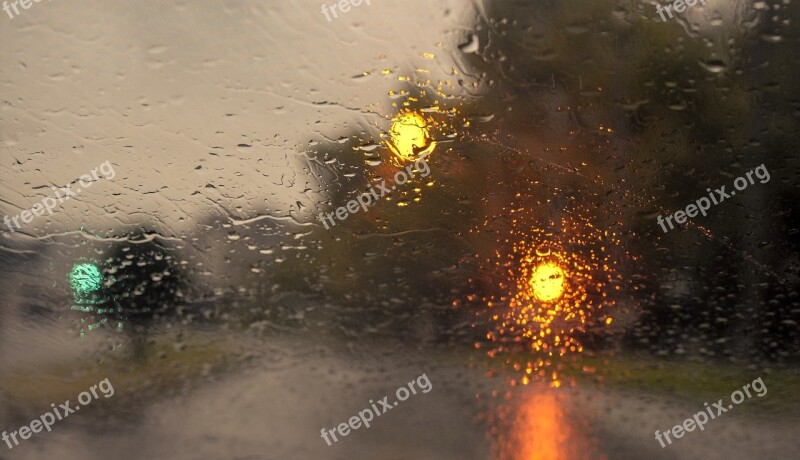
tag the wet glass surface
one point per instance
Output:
(497, 229)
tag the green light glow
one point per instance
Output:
(85, 278)
(87, 282)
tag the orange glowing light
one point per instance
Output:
(547, 282)
(539, 428)
(409, 137)
(554, 282)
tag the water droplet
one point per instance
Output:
(771, 38)
(713, 66)
(471, 46)
(368, 147)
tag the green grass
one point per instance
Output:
(163, 368)
(677, 379)
(690, 379)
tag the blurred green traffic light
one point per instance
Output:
(85, 279)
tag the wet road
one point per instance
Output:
(275, 407)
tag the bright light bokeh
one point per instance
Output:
(85, 278)
(554, 281)
(410, 137)
(547, 282)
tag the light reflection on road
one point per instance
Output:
(538, 426)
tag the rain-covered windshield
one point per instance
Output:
(383, 229)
